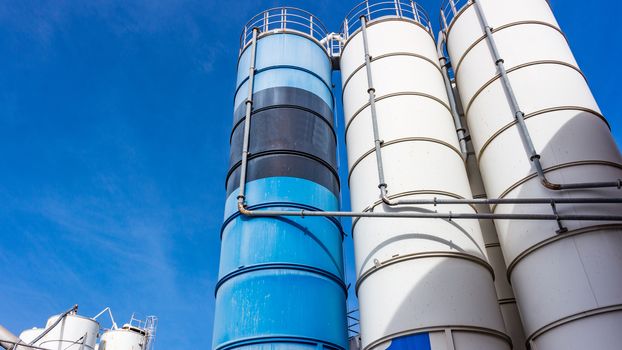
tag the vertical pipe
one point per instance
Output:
(460, 130)
(516, 111)
(247, 119)
(372, 106)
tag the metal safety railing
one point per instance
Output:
(450, 9)
(380, 9)
(286, 19)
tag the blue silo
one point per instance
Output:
(281, 279)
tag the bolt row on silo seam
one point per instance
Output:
(281, 279)
(425, 282)
(568, 286)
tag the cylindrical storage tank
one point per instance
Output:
(123, 339)
(281, 278)
(73, 332)
(29, 335)
(568, 285)
(423, 284)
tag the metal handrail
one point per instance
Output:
(380, 9)
(286, 19)
(449, 10)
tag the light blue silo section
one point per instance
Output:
(314, 243)
(281, 279)
(286, 50)
(277, 305)
(286, 60)
(284, 189)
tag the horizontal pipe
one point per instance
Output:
(496, 201)
(414, 215)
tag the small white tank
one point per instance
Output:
(29, 335)
(71, 333)
(126, 338)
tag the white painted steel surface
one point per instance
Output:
(505, 293)
(70, 332)
(122, 339)
(568, 287)
(412, 274)
(31, 334)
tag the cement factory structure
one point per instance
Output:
(70, 331)
(484, 185)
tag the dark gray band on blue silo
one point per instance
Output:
(285, 164)
(286, 97)
(287, 129)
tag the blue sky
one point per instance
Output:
(114, 125)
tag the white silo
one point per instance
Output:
(126, 338)
(73, 332)
(523, 91)
(425, 282)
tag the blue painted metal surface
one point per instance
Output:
(281, 283)
(419, 341)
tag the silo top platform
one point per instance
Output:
(289, 20)
(381, 10)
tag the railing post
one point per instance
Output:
(283, 19)
(415, 12)
(345, 29)
(444, 19)
(453, 6)
(397, 8)
(266, 21)
(368, 10)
